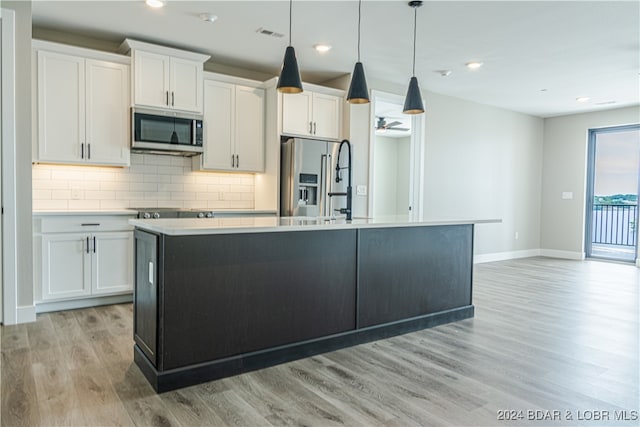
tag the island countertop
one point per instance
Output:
(259, 224)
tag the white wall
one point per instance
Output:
(151, 181)
(484, 162)
(24, 274)
(564, 169)
(391, 176)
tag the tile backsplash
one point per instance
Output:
(151, 181)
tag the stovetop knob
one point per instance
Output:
(146, 215)
(200, 214)
(156, 215)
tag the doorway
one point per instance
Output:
(613, 183)
(395, 170)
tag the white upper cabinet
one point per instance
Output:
(165, 77)
(234, 127)
(83, 111)
(312, 114)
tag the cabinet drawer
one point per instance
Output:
(92, 223)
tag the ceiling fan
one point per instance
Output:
(383, 125)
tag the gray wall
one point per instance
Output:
(23, 150)
(565, 169)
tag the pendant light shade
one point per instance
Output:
(289, 80)
(358, 90)
(413, 102)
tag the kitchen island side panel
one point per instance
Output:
(413, 271)
(230, 294)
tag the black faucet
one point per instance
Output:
(339, 178)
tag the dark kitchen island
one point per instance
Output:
(218, 297)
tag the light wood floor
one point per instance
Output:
(548, 335)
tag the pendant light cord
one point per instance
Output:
(290, 7)
(415, 21)
(359, 10)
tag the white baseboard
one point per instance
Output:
(552, 253)
(26, 314)
(45, 307)
(502, 256)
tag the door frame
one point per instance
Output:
(8, 149)
(591, 169)
(416, 153)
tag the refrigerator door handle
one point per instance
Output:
(329, 180)
(323, 190)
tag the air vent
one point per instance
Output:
(270, 33)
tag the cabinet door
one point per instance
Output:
(326, 116)
(296, 114)
(66, 266)
(249, 134)
(107, 102)
(61, 97)
(151, 79)
(112, 262)
(145, 303)
(186, 85)
(218, 125)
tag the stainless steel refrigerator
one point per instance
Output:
(308, 175)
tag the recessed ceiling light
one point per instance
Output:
(582, 98)
(474, 65)
(154, 3)
(208, 17)
(322, 48)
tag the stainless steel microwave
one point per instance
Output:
(166, 132)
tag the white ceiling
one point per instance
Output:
(566, 48)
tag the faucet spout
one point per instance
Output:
(348, 193)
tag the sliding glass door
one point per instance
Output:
(613, 181)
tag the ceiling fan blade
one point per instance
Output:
(393, 123)
(395, 128)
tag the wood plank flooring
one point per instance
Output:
(549, 335)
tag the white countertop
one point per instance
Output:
(257, 224)
(86, 212)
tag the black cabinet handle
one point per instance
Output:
(314, 128)
(167, 98)
(94, 244)
(90, 224)
(172, 98)
(82, 150)
(237, 160)
(87, 244)
(88, 151)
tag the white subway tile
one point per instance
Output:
(218, 188)
(180, 161)
(99, 195)
(144, 169)
(147, 186)
(157, 160)
(195, 204)
(50, 204)
(137, 159)
(170, 187)
(207, 196)
(67, 174)
(40, 173)
(84, 204)
(138, 203)
(99, 176)
(114, 204)
(247, 196)
(157, 195)
(243, 188)
(134, 177)
(129, 195)
(41, 194)
(114, 186)
(169, 170)
(183, 195)
(49, 184)
(196, 188)
(171, 204)
(241, 204)
(85, 185)
(61, 194)
(218, 204)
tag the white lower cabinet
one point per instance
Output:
(82, 257)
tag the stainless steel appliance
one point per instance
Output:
(157, 213)
(166, 132)
(308, 172)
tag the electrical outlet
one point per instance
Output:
(567, 195)
(76, 193)
(361, 190)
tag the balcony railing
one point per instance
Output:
(615, 224)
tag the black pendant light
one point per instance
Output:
(413, 102)
(358, 91)
(289, 80)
